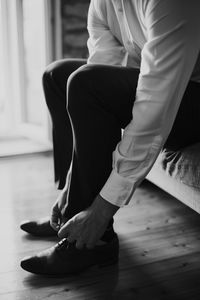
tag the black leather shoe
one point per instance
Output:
(64, 258)
(38, 228)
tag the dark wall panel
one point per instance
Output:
(74, 28)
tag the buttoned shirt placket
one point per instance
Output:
(127, 38)
(120, 13)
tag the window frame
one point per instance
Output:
(12, 19)
(25, 128)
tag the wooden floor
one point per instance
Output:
(159, 243)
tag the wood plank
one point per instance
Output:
(159, 243)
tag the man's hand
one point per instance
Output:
(57, 219)
(87, 227)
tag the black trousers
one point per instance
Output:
(89, 105)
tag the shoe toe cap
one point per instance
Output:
(31, 264)
(38, 228)
(28, 225)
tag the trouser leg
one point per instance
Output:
(186, 129)
(100, 101)
(54, 84)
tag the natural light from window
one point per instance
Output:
(3, 118)
(25, 50)
(34, 55)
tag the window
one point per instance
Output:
(25, 50)
(5, 121)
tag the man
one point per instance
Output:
(143, 62)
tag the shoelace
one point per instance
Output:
(63, 244)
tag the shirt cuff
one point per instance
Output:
(118, 190)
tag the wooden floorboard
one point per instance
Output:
(159, 243)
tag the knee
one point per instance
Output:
(51, 71)
(78, 85)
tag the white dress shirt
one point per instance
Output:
(162, 39)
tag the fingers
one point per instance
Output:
(81, 229)
(55, 218)
(84, 242)
(64, 232)
(67, 232)
(71, 239)
(80, 244)
(91, 242)
(90, 245)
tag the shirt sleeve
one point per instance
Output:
(103, 46)
(168, 58)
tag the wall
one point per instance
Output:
(74, 28)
